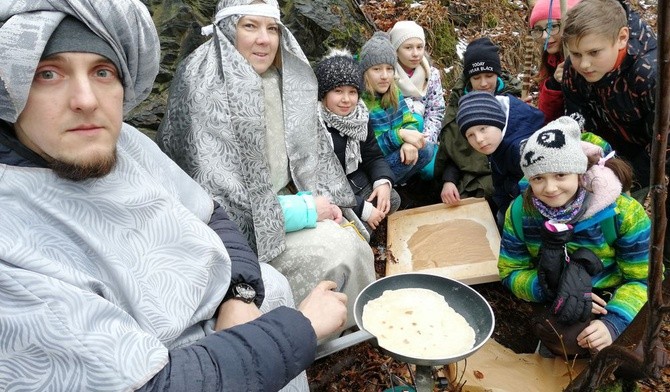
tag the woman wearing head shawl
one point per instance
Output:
(117, 280)
(242, 121)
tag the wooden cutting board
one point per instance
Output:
(460, 242)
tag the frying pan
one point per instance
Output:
(463, 299)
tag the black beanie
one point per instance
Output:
(338, 68)
(481, 56)
(72, 35)
(479, 108)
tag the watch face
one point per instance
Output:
(244, 292)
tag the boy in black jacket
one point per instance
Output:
(610, 78)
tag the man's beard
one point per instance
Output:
(79, 171)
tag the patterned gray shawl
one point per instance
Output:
(125, 24)
(100, 278)
(214, 128)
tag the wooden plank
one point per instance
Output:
(460, 242)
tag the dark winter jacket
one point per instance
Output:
(373, 166)
(456, 161)
(620, 106)
(522, 121)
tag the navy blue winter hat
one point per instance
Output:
(481, 56)
(338, 68)
(479, 108)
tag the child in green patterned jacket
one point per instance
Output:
(404, 147)
(581, 245)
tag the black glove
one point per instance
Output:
(573, 300)
(552, 256)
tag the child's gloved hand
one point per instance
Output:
(573, 299)
(552, 255)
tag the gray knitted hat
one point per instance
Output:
(71, 35)
(479, 108)
(554, 148)
(338, 68)
(378, 50)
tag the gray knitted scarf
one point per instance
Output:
(354, 126)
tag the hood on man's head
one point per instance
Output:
(125, 26)
(72, 35)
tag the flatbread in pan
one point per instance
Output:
(417, 323)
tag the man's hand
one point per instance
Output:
(326, 210)
(449, 194)
(235, 312)
(413, 137)
(383, 195)
(326, 309)
(409, 154)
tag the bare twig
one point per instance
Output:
(571, 368)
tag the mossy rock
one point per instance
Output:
(320, 25)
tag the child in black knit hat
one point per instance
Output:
(481, 61)
(496, 126)
(460, 171)
(344, 118)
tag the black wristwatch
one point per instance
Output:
(242, 291)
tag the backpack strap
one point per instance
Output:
(609, 229)
(607, 225)
(516, 216)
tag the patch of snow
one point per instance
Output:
(448, 69)
(460, 47)
(518, 4)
